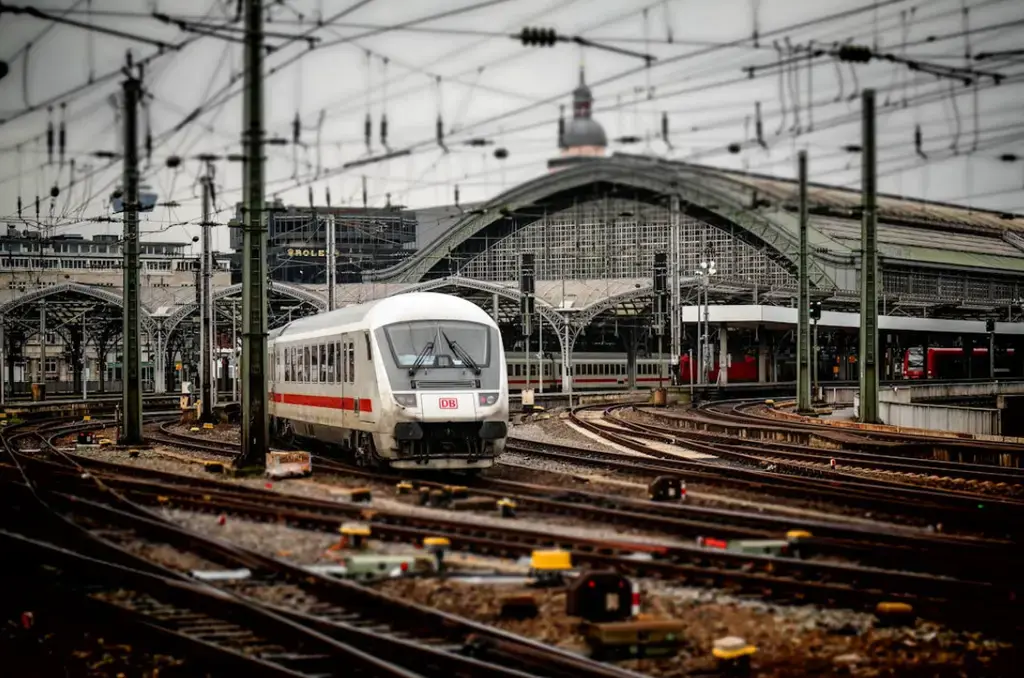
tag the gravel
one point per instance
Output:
(791, 641)
(555, 429)
(225, 433)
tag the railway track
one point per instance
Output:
(980, 473)
(781, 579)
(977, 513)
(892, 549)
(757, 421)
(280, 618)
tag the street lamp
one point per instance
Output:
(704, 273)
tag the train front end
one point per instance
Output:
(448, 401)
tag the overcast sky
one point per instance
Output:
(494, 88)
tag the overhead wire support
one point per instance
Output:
(44, 16)
(206, 311)
(255, 409)
(547, 37)
(131, 431)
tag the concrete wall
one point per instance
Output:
(974, 420)
(914, 391)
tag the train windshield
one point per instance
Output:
(439, 343)
(915, 357)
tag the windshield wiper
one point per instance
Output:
(427, 349)
(461, 354)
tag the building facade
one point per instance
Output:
(366, 239)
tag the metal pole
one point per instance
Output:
(674, 313)
(331, 264)
(869, 272)
(700, 338)
(992, 355)
(42, 350)
(255, 425)
(3, 366)
(85, 368)
(234, 351)
(131, 388)
(207, 391)
(689, 354)
(707, 324)
(816, 359)
(803, 375)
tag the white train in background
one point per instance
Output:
(590, 372)
(415, 381)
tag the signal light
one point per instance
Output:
(540, 37)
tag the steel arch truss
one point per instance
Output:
(283, 289)
(100, 294)
(698, 196)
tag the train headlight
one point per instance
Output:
(488, 398)
(406, 399)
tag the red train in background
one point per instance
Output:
(741, 368)
(950, 363)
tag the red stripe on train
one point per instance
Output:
(330, 402)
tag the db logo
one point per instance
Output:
(448, 403)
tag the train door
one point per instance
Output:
(367, 380)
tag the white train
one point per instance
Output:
(590, 372)
(412, 381)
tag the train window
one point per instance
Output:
(305, 364)
(533, 369)
(323, 364)
(314, 365)
(330, 363)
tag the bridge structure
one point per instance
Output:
(594, 228)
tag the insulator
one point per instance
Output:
(19, 206)
(368, 130)
(758, 125)
(919, 142)
(149, 145)
(734, 148)
(327, 191)
(62, 135)
(364, 191)
(384, 129)
(49, 138)
(37, 208)
(561, 126)
(311, 197)
(439, 127)
(664, 126)
(296, 128)
(501, 153)
(54, 191)
(855, 54)
(173, 162)
(628, 139)
(456, 195)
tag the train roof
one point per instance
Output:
(374, 314)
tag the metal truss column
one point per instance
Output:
(255, 423)
(675, 263)
(131, 358)
(869, 271)
(723, 354)
(332, 264)
(207, 390)
(160, 364)
(803, 347)
(3, 360)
